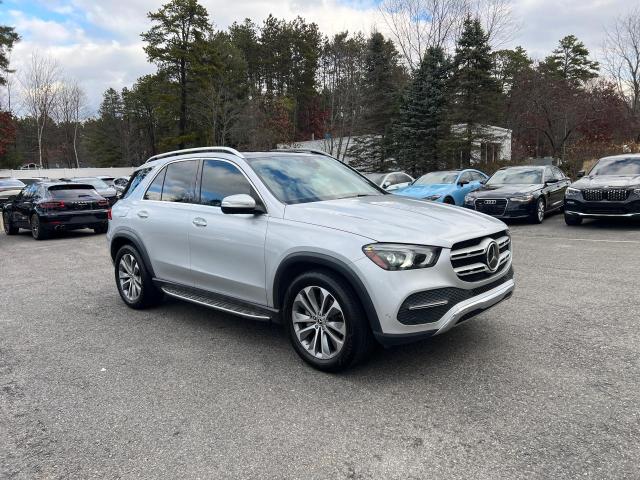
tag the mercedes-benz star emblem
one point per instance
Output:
(493, 256)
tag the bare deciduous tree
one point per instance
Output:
(69, 111)
(621, 58)
(416, 25)
(41, 85)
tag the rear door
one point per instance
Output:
(227, 250)
(23, 206)
(162, 219)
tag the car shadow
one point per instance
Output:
(62, 234)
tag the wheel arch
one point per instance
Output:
(121, 239)
(297, 263)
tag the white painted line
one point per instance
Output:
(530, 237)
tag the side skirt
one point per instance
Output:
(217, 301)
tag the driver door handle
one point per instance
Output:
(199, 222)
(143, 214)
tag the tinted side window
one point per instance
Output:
(179, 181)
(135, 180)
(154, 192)
(29, 191)
(465, 177)
(219, 180)
(558, 173)
(477, 177)
(404, 178)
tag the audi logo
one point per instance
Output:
(489, 202)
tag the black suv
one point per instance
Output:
(612, 189)
(45, 207)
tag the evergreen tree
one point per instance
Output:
(175, 44)
(570, 61)
(508, 65)
(475, 94)
(8, 37)
(106, 133)
(382, 83)
(422, 125)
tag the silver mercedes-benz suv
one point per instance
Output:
(300, 238)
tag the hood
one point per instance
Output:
(107, 192)
(423, 191)
(8, 192)
(608, 181)
(506, 190)
(396, 219)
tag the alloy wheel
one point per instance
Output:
(5, 222)
(130, 277)
(35, 226)
(540, 210)
(318, 322)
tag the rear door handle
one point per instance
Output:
(143, 214)
(199, 222)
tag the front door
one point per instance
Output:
(227, 250)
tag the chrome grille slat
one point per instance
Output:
(468, 258)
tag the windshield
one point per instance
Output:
(301, 179)
(617, 166)
(11, 182)
(94, 182)
(523, 176)
(437, 177)
(375, 177)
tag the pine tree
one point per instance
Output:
(106, 133)
(422, 124)
(8, 37)
(382, 84)
(475, 94)
(570, 61)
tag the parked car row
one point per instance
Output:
(611, 189)
(46, 206)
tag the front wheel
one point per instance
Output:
(325, 321)
(538, 214)
(449, 201)
(9, 228)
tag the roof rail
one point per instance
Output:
(230, 150)
(304, 150)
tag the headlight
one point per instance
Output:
(432, 197)
(572, 192)
(636, 191)
(522, 199)
(396, 256)
(469, 199)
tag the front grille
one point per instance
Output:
(431, 305)
(491, 206)
(469, 258)
(609, 194)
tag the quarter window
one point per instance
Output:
(135, 181)
(221, 179)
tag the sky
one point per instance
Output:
(98, 42)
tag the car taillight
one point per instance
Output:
(109, 215)
(103, 203)
(52, 205)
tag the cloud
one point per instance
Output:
(98, 42)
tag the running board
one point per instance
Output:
(218, 302)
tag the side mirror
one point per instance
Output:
(239, 204)
(581, 174)
(462, 183)
(386, 185)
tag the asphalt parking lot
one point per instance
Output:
(546, 385)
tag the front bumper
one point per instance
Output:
(603, 208)
(390, 292)
(512, 210)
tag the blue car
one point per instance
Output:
(447, 186)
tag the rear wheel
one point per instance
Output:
(538, 215)
(325, 321)
(134, 283)
(102, 228)
(37, 230)
(572, 220)
(9, 228)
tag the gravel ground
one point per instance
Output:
(545, 385)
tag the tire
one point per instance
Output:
(9, 228)
(348, 323)
(538, 215)
(38, 232)
(101, 229)
(572, 220)
(449, 201)
(143, 293)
